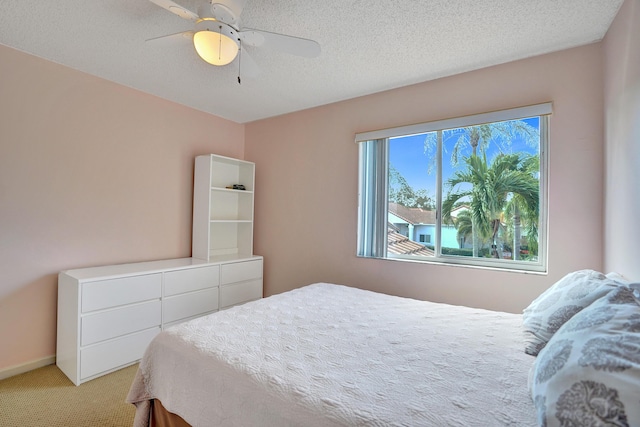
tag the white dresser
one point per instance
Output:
(108, 315)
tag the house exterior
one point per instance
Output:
(419, 225)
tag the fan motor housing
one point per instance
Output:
(217, 27)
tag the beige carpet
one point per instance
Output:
(46, 397)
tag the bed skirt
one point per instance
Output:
(160, 417)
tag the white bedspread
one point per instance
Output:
(329, 355)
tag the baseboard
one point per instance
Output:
(26, 367)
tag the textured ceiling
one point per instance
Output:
(367, 46)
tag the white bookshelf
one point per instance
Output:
(222, 217)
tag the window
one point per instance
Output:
(470, 190)
(425, 238)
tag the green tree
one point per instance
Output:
(464, 225)
(522, 213)
(475, 140)
(488, 191)
(402, 193)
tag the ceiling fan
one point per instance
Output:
(218, 37)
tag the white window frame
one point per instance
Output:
(373, 173)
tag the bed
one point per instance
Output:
(331, 355)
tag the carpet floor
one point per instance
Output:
(46, 397)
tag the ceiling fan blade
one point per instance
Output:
(289, 44)
(248, 66)
(173, 38)
(176, 9)
(235, 6)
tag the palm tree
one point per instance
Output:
(464, 225)
(479, 138)
(492, 188)
(520, 210)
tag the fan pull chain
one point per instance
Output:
(240, 62)
(220, 42)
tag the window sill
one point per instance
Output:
(446, 262)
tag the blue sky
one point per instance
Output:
(408, 156)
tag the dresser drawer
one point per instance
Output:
(240, 292)
(188, 305)
(192, 279)
(240, 271)
(168, 325)
(120, 321)
(113, 354)
(114, 292)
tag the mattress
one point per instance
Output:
(331, 355)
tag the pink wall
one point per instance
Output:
(307, 177)
(622, 142)
(91, 173)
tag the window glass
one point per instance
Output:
(411, 193)
(466, 194)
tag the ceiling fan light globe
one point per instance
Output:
(214, 47)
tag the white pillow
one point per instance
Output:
(617, 277)
(547, 313)
(635, 289)
(589, 372)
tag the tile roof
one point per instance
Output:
(401, 245)
(413, 215)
